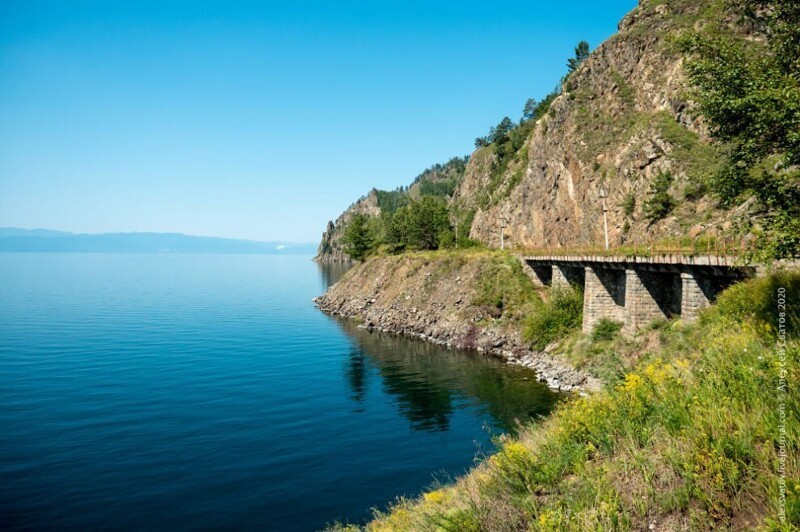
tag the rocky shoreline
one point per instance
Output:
(434, 324)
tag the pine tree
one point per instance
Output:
(581, 53)
(357, 237)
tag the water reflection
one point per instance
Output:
(429, 382)
(356, 374)
(332, 272)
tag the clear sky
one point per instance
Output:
(259, 119)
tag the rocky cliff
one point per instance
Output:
(622, 118)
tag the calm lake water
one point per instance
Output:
(206, 391)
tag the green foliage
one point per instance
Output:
(757, 302)
(463, 224)
(752, 96)
(507, 139)
(441, 179)
(418, 225)
(499, 133)
(605, 330)
(581, 53)
(390, 201)
(529, 111)
(415, 217)
(534, 110)
(624, 90)
(504, 286)
(481, 142)
(699, 159)
(438, 188)
(357, 237)
(556, 318)
(447, 239)
(694, 190)
(659, 203)
(429, 218)
(629, 203)
(507, 152)
(750, 92)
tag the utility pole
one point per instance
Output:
(503, 225)
(605, 216)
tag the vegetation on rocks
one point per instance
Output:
(505, 287)
(749, 90)
(706, 92)
(660, 202)
(560, 315)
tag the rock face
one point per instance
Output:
(622, 118)
(331, 248)
(432, 299)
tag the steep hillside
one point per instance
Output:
(623, 117)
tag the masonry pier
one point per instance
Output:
(635, 291)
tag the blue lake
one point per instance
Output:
(206, 391)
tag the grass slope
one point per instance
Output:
(689, 437)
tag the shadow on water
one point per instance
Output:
(429, 382)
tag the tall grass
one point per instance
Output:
(556, 318)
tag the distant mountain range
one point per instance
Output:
(47, 240)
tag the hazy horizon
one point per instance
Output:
(256, 120)
(3, 229)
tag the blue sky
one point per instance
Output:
(258, 120)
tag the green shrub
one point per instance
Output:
(447, 239)
(556, 318)
(660, 203)
(694, 190)
(505, 286)
(629, 203)
(391, 200)
(605, 330)
(757, 302)
(749, 93)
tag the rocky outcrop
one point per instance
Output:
(438, 180)
(331, 248)
(623, 117)
(433, 299)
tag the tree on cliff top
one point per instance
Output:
(581, 53)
